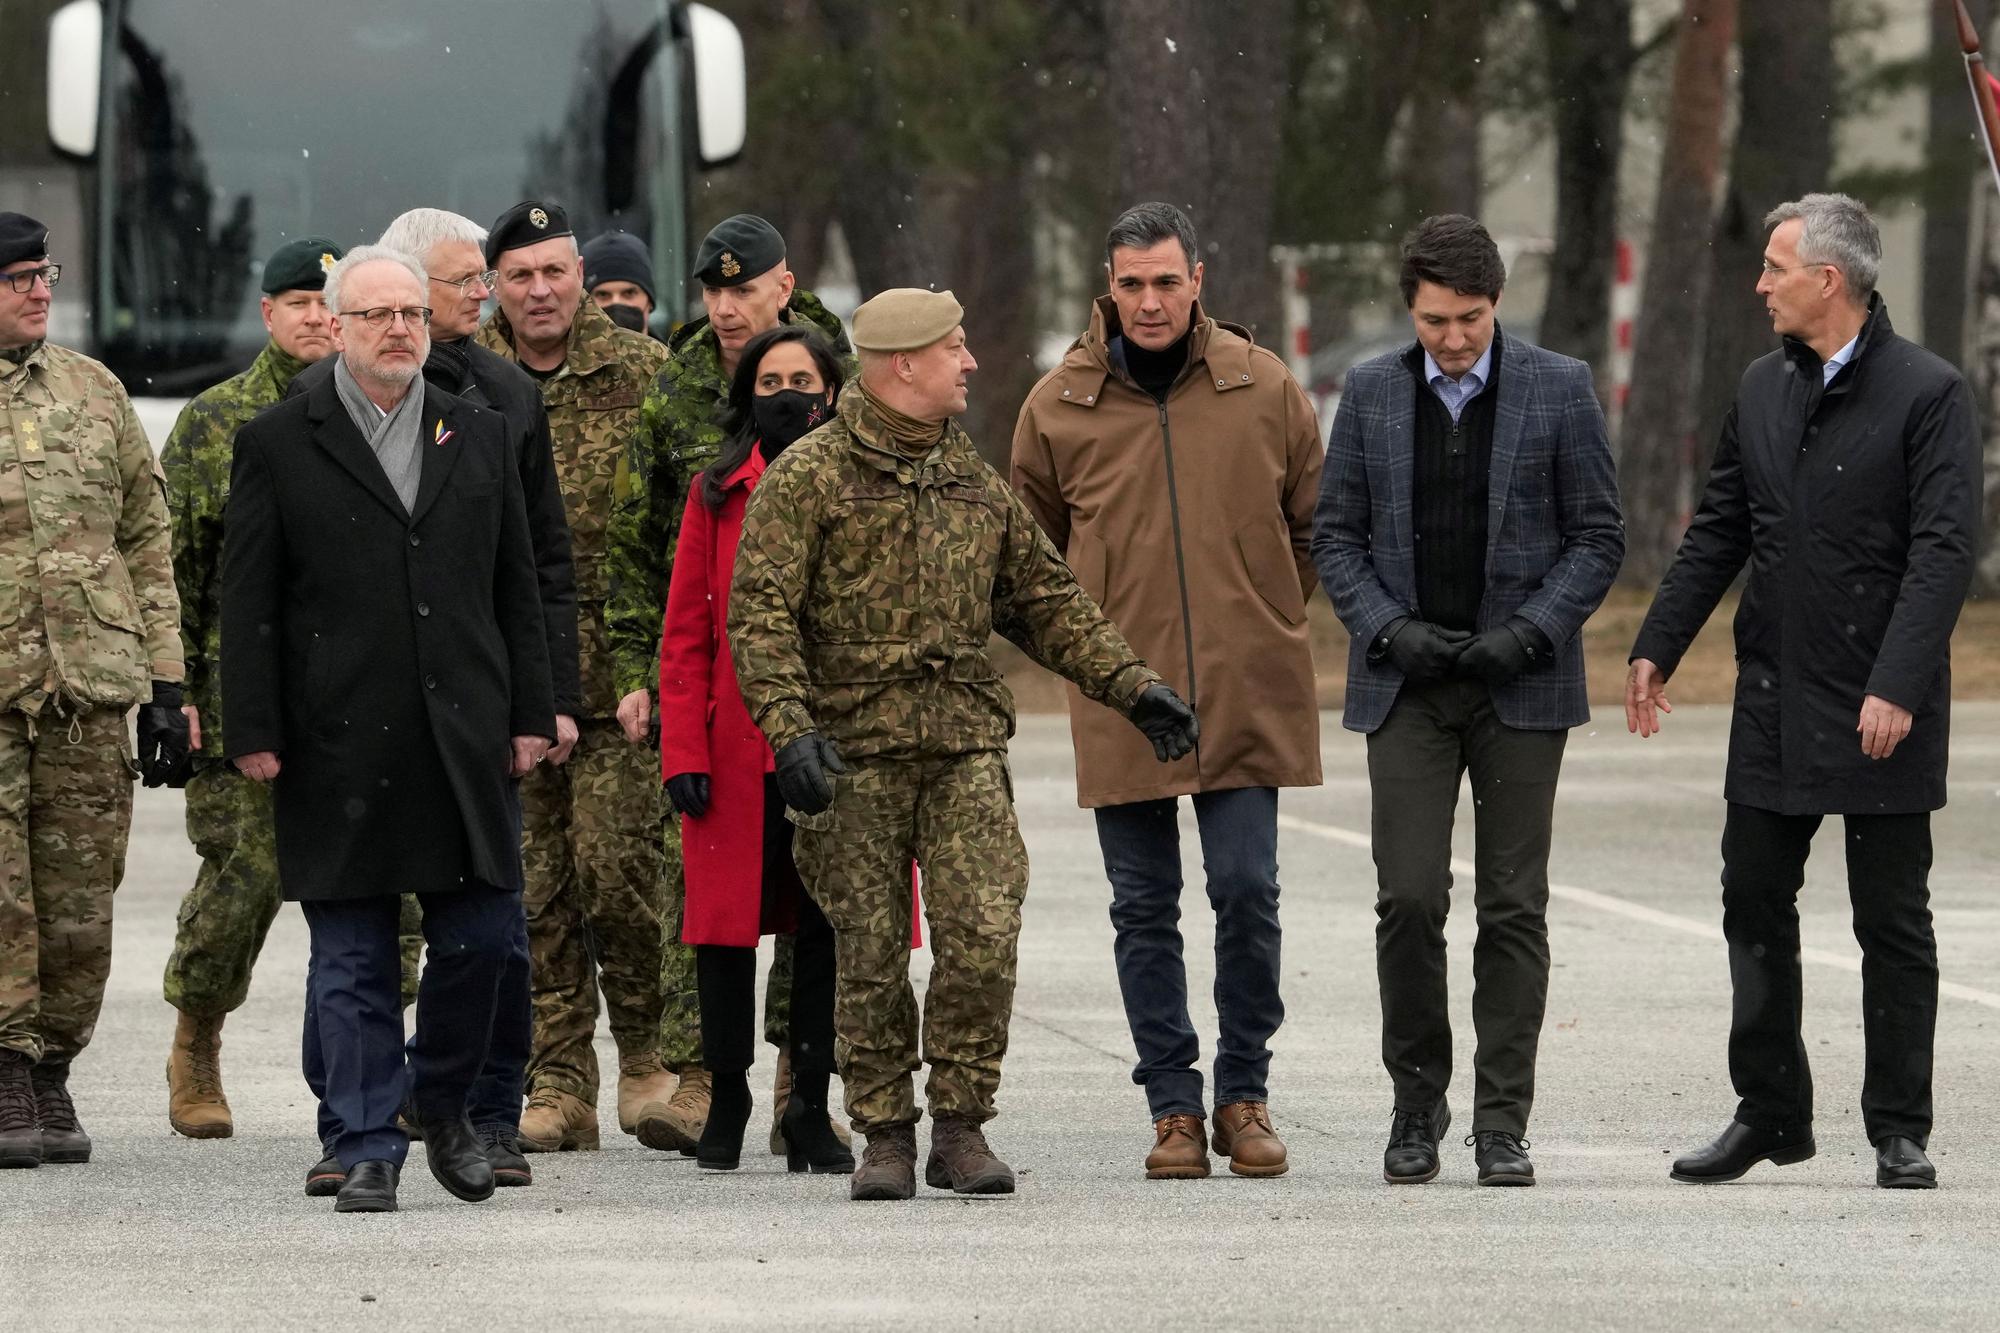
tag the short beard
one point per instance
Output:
(389, 377)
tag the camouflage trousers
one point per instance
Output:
(225, 916)
(599, 851)
(955, 817)
(680, 1005)
(65, 813)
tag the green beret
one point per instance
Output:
(21, 237)
(903, 319)
(301, 265)
(737, 250)
(524, 224)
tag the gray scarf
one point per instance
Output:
(394, 436)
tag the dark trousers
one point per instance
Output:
(1142, 858)
(354, 1006)
(1433, 737)
(1888, 869)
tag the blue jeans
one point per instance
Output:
(1142, 857)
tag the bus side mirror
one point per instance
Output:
(720, 85)
(76, 67)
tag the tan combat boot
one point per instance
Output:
(781, 1093)
(888, 1167)
(195, 1104)
(641, 1079)
(557, 1122)
(961, 1162)
(675, 1125)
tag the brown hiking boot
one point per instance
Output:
(781, 1093)
(675, 1125)
(195, 1104)
(557, 1122)
(20, 1123)
(1244, 1135)
(888, 1167)
(63, 1139)
(641, 1079)
(961, 1162)
(1180, 1149)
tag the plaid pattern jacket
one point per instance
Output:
(1555, 535)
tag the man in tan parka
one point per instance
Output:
(1176, 465)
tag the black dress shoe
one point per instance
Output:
(1901, 1165)
(1502, 1157)
(503, 1154)
(1412, 1155)
(1739, 1149)
(457, 1158)
(370, 1188)
(326, 1177)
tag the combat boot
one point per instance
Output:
(63, 1139)
(888, 1167)
(675, 1125)
(557, 1122)
(196, 1106)
(781, 1096)
(642, 1079)
(961, 1162)
(20, 1124)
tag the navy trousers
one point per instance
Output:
(1142, 857)
(355, 1017)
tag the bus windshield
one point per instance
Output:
(234, 126)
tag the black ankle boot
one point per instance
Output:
(810, 1143)
(721, 1145)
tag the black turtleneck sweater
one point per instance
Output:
(1155, 372)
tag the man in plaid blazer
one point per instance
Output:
(1468, 524)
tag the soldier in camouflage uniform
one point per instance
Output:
(226, 914)
(597, 834)
(878, 556)
(89, 626)
(747, 289)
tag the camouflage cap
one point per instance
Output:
(21, 237)
(300, 266)
(903, 319)
(736, 250)
(525, 223)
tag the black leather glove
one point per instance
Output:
(806, 769)
(1423, 652)
(689, 792)
(1503, 652)
(1167, 721)
(164, 760)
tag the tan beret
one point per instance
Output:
(903, 319)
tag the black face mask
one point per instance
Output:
(626, 316)
(784, 416)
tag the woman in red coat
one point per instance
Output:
(735, 839)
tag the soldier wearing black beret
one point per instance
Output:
(300, 266)
(526, 223)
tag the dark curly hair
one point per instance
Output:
(1452, 250)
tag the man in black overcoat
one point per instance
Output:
(1848, 478)
(385, 666)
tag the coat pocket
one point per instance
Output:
(1267, 559)
(1090, 562)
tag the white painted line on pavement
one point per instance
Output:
(1652, 916)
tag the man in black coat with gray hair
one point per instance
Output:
(1848, 478)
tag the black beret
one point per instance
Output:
(739, 249)
(618, 256)
(301, 265)
(21, 237)
(525, 223)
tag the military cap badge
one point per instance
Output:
(538, 217)
(730, 268)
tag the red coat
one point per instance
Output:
(706, 728)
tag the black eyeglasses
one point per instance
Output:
(24, 281)
(379, 317)
(489, 280)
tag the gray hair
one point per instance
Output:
(368, 254)
(1838, 231)
(422, 230)
(1144, 226)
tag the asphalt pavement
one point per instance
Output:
(160, 1231)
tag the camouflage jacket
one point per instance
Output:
(196, 462)
(598, 403)
(87, 604)
(869, 583)
(682, 438)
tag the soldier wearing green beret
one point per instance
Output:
(89, 626)
(227, 913)
(879, 554)
(747, 289)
